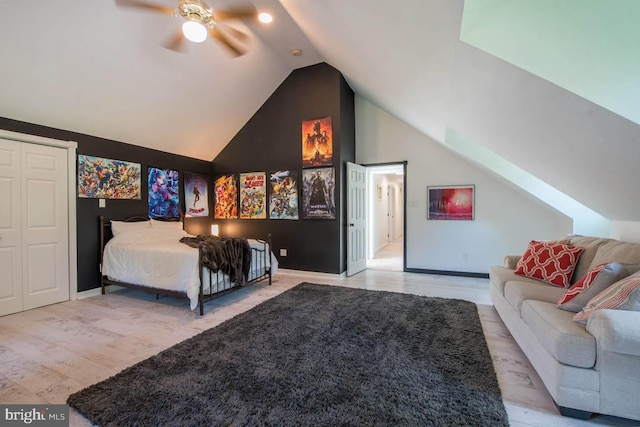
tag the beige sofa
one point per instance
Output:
(587, 369)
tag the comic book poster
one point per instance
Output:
(196, 200)
(317, 142)
(100, 178)
(253, 195)
(318, 187)
(283, 196)
(164, 193)
(225, 189)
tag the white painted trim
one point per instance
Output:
(71, 147)
(98, 291)
(73, 238)
(314, 274)
(90, 293)
(33, 139)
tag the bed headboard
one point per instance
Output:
(105, 227)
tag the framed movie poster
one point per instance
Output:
(283, 195)
(100, 178)
(253, 195)
(317, 142)
(453, 202)
(196, 200)
(318, 187)
(164, 193)
(225, 189)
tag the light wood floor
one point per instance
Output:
(389, 257)
(48, 353)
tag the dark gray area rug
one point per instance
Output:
(316, 355)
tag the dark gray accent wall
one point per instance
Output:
(272, 141)
(87, 209)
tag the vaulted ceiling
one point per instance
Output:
(551, 87)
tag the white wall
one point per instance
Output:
(505, 220)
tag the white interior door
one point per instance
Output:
(391, 213)
(356, 243)
(45, 232)
(10, 228)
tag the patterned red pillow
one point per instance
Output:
(550, 262)
(591, 284)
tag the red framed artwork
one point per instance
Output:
(453, 202)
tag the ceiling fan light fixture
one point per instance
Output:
(265, 18)
(194, 31)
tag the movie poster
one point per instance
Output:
(317, 142)
(164, 193)
(196, 200)
(283, 198)
(318, 187)
(225, 189)
(100, 178)
(253, 195)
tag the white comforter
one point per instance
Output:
(156, 258)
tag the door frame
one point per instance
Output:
(404, 164)
(71, 147)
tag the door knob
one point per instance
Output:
(351, 225)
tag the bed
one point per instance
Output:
(147, 254)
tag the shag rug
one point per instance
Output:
(315, 355)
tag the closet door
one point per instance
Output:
(10, 228)
(45, 222)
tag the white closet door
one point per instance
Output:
(45, 244)
(10, 228)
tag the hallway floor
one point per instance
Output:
(389, 258)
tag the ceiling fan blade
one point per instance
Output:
(144, 5)
(235, 33)
(177, 42)
(215, 33)
(239, 13)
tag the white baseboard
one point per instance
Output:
(98, 291)
(314, 274)
(89, 293)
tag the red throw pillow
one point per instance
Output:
(591, 284)
(550, 262)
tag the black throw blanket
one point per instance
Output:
(231, 255)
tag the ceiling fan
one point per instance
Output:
(201, 22)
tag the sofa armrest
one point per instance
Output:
(616, 331)
(511, 261)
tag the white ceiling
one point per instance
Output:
(94, 68)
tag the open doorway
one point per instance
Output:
(385, 220)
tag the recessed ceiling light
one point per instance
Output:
(265, 18)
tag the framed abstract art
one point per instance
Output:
(453, 202)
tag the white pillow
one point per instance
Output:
(119, 227)
(166, 225)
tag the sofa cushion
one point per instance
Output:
(499, 276)
(590, 245)
(550, 262)
(517, 292)
(622, 295)
(617, 251)
(591, 284)
(567, 341)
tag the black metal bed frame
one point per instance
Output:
(259, 255)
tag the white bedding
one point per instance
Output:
(156, 258)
